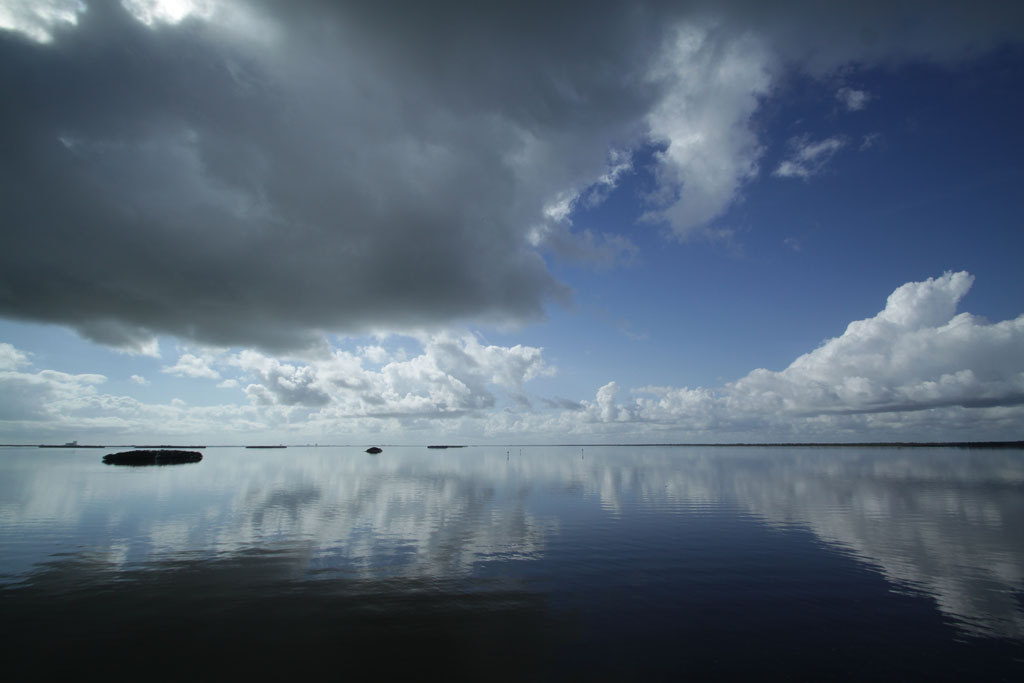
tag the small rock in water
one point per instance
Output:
(374, 450)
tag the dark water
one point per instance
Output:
(491, 564)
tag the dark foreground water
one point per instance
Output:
(495, 564)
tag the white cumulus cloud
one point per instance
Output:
(11, 358)
(711, 89)
(916, 354)
(917, 369)
(453, 375)
(190, 365)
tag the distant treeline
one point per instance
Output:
(862, 444)
(808, 444)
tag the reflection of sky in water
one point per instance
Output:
(939, 522)
(337, 509)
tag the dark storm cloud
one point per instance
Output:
(277, 170)
(343, 173)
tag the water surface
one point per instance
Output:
(540, 563)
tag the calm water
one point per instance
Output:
(491, 563)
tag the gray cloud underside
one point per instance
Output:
(1012, 399)
(281, 170)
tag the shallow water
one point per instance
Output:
(540, 563)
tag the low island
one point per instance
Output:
(152, 457)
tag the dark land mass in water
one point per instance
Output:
(445, 446)
(152, 457)
(373, 450)
(266, 447)
(67, 445)
(164, 447)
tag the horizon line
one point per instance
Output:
(740, 444)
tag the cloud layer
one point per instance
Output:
(365, 391)
(241, 173)
(917, 370)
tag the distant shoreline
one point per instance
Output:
(809, 444)
(801, 444)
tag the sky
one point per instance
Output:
(230, 222)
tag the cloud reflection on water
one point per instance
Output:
(938, 521)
